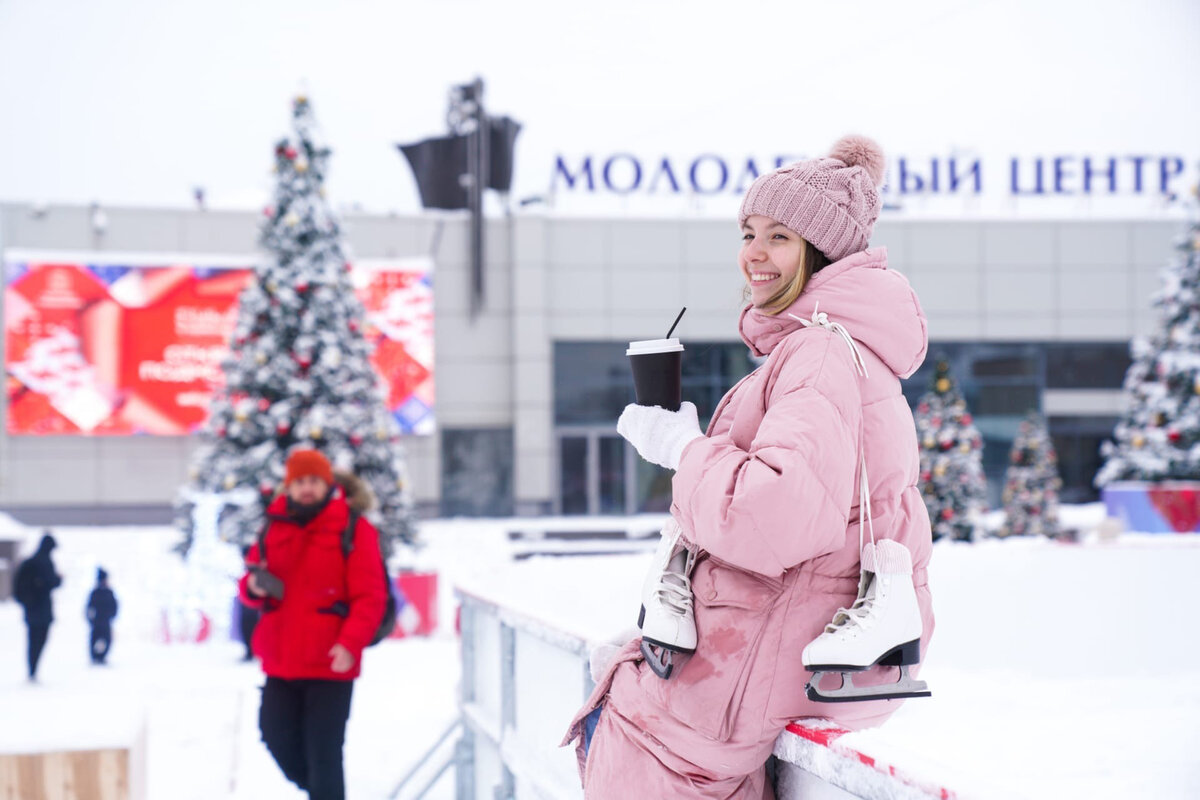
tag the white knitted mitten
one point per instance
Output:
(660, 435)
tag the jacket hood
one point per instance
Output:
(358, 494)
(46, 545)
(876, 305)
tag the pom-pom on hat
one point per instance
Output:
(308, 462)
(832, 202)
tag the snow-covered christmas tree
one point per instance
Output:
(1158, 436)
(298, 373)
(952, 480)
(1031, 483)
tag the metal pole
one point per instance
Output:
(508, 705)
(464, 755)
(478, 162)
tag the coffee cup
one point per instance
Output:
(657, 367)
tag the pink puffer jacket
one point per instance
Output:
(770, 499)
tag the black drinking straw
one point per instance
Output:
(676, 322)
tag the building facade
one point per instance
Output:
(1031, 314)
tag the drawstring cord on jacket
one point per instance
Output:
(860, 610)
(821, 320)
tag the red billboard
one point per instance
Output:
(97, 345)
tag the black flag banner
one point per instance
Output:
(440, 163)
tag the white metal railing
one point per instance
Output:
(524, 677)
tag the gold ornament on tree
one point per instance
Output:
(1138, 440)
(943, 385)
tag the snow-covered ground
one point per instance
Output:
(1057, 670)
(199, 703)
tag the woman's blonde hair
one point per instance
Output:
(811, 262)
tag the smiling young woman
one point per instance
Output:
(763, 543)
(776, 263)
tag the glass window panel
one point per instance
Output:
(1004, 366)
(572, 460)
(1001, 400)
(477, 472)
(653, 487)
(612, 475)
(591, 382)
(1086, 365)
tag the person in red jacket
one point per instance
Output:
(320, 608)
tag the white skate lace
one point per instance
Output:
(675, 597)
(857, 615)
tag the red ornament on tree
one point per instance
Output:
(353, 325)
(304, 361)
(347, 266)
(966, 419)
(265, 488)
(302, 287)
(946, 445)
(290, 153)
(1174, 436)
(282, 428)
(936, 422)
(221, 431)
(264, 404)
(356, 439)
(268, 211)
(947, 513)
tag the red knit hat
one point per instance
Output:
(308, 462)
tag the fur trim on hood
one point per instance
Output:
(358, 494)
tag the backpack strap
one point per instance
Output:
(262, 541)
(348, 534)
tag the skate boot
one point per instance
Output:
(882, 626)
(666, 619)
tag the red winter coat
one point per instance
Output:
(293, 637)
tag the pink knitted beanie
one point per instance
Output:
(832, 202)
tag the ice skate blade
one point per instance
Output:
(641, 617)
(674, 648)
(661, 662)
(899, 656)
(905, 687)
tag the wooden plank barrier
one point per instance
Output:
(116, 773)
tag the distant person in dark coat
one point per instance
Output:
(35, 579)
(101, 609)
(247, 619)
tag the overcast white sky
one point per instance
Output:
(137, 101)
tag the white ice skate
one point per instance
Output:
(666, 619)
(883, 625)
